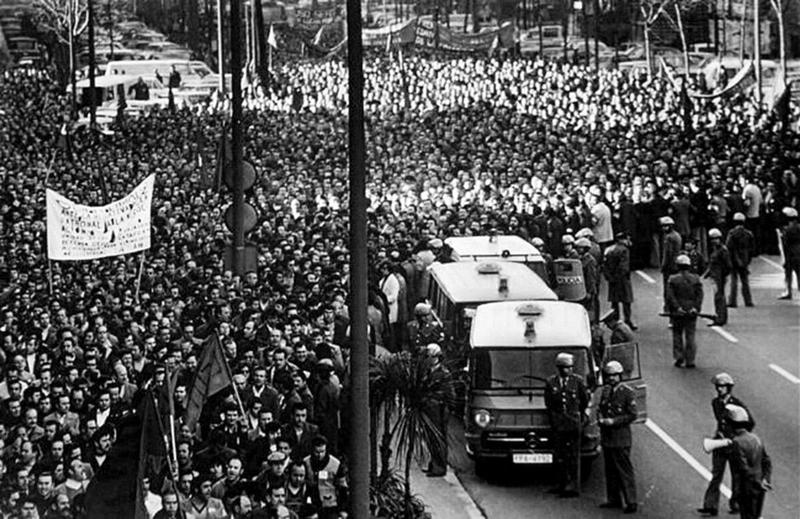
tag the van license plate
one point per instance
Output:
(532, 458)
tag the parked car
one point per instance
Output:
(552, 40)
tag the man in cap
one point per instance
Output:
(750, 462)
(684, 300)
(719, 266)
(566, 399)
(423, 329)
(616, 412)
(549, 276)
(617, 270)
(620, 331)
(741, 245)
(790, 241)
(591, 278)
(723, 383)
(568, 247)
(670, 248)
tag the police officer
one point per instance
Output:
(591, 277)
(617, 270)
(568, 247)
(424, 329)
(616, 412)
(684, 299)
(620, 331)
(723, 383)
(670, 249)
(438, 411)
(719, 266)
(740, 244)
(550, 273)
(566, 399)
(790, 240)
(750, 462)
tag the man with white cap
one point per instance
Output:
(750, 462)
(790, 240)
(566, 399)
(670, 248)
(684, 300)
(741, 246)
(718, 269)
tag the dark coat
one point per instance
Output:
(740, 245)
(618, 404)
(617, 270)
(684, 292)
(566, 403)
(719, 263)
(669, 251)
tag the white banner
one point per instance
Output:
(79, 232)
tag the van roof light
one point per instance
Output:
(488, 268)
(529, 310)
(530, 329)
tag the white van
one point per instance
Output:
(194, 74)
(497, 248)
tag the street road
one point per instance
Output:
(759, 348)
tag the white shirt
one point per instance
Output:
(602, 228)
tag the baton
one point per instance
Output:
(704, 316)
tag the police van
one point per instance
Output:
(456, 289)
(497, 248)
(513, 346)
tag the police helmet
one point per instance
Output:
(613, 368)
(722, 379)
(433, 349)
(583, 242)
(789, 212)
(567, 238)
(584, 233)
(565, 360)
(666, 220)
(537, 242)
(422, 309)
(715, 233)
(683, 261)
(738, 217)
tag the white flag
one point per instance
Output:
(318, 37)
(80, 232)
(271, 38)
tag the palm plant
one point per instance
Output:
(383, 400)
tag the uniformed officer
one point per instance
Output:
(616, 413)
(591, 277)
(424, 329)
(550, 273)
(595, 247)
(617, 270)
(438, 412)
(568, 247)
(790, 241)
(723, 383)
(620, 331)
(741, 244)
(670, 249)
(684, 301)
(567, 401)
(719, 267)
(750, 462)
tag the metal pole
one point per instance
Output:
(220, 48)
(359, 357)
(92, 93)
(595, 25)
(236, 131)
(72, 79)
(757, 47)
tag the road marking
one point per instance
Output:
(688, 458)
(773, 263)
(785, 374)
(647, 278)
(725, 335)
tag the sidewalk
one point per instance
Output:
(445, 498)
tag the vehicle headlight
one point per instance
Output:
(482, 418)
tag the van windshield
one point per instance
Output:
(521, 368)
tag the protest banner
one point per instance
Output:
(401, 33)
(80, 232)
(457, 41)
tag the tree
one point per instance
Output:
(62, 21)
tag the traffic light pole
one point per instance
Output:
(360, 451)
(236, 141)
(92, 92)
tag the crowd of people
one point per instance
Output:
(462, 146)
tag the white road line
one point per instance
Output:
(688, 458)
(785, 374)
(647, 278)
(725, 335)
(773, 263)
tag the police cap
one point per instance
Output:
(565, 360)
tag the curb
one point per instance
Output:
(471, 509)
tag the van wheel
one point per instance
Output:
(482, 468)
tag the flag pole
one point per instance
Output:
(230, 376)
(50, 275)
(139, 276)
(50, 167)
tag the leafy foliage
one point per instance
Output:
(387, 498)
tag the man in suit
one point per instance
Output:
(616, 412)
(684, 299)
(300, 432)
(723, 383)
(741, 245)
(670, 249)
(719, 266)
(261, 390)
(126, 388)
(67, 420)
(566, 399)
(617, 270)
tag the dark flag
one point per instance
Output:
(686, 107)
(212, 376)
(139, 451)
(224, 154)
(260, 44)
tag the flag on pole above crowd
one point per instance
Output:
(271, 40)
(318, 37)
(212, 376)
(80, 232)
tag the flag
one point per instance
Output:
(224, 154)
(318, 37)
(212, 376)
(271, 38)
(139, 451)
(494, 45)
(389, 44)
(64, 140)
(686, 105)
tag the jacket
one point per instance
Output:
(749, 460)
(740, 245)
(684, 293)
(566, 402)
(617, 270)
(719, 263)
(619, 405)
(670, 250)
(724, 429)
